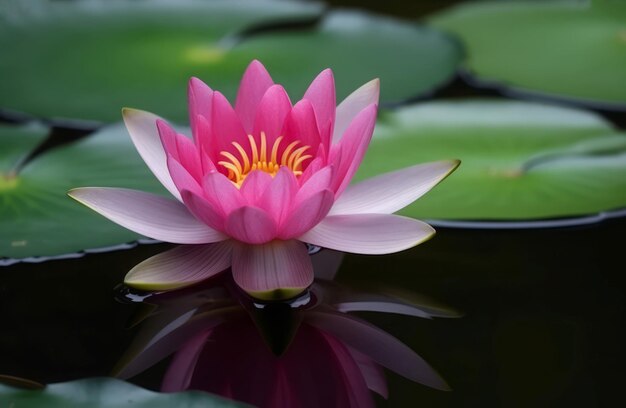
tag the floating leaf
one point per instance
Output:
(519, 161)
(107, 393)
(37, 218)
(87, 60)
(567, 50)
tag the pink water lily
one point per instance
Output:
(258, 180)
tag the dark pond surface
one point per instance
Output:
(542, 325)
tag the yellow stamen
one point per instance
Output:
(259, 157)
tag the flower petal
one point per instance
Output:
(255, 82)
(380, 346)
(353, 146)
(355, 102)
(271, 113)
(277, 269)
(277, 198)
(181, 266)
(204, 210)
(251, 225)
(225, 128)
(392, 191)
(321, 94)
(200, 98)
(255, 185)
(143, 132)
(301, 125)
(147, 214)
(182, 179)
(180, 148)
(368, 233)
(222, 193)
(307, 215)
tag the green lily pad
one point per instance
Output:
(107, 393)
(37, 218)
(519, 161)
(565, 49)
(86, 60)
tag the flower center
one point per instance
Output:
(264, 159)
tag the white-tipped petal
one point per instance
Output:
(181, 266)
(147, 214)
(390, 192)
(368, 233)
(142, 127)
(358, 100)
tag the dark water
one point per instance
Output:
(542, 325)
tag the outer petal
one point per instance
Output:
(147, 214)
(250, 225)
(204, 210)
(225, 128)
(355, 102)
(321, 94)
(301, 124)
(368, 233)
(277, 269)
(353, 146)
(392, 191)
(143, 132)
(381, 347)
(181, 266)
(255, 82)
(182, 178)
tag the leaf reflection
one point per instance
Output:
(308, 351)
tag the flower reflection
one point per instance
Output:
(306, 352)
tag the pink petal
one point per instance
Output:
(317, 182)
(225, 127)
(353, 146)
(301, 125)
(147, 214)
(368, 233)
(181, 177)
(143, 131)
(392, 191)
(181, 266)
(358, 100)
(277, 198)
(180, 148)
(271, 113)
(251, 225)
(222, 193)
(255, 82)
(273, 269)
(380, 346)
(255, 185)
(307, 215)
(204, 210)
(200, 98)
(314, 166)
(321, 94)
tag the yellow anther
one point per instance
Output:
(256, 158)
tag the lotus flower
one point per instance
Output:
(258, 180)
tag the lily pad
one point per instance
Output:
(107, 393)
(88, 59)
(37, 218)
(519, 161)
(569, 50)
